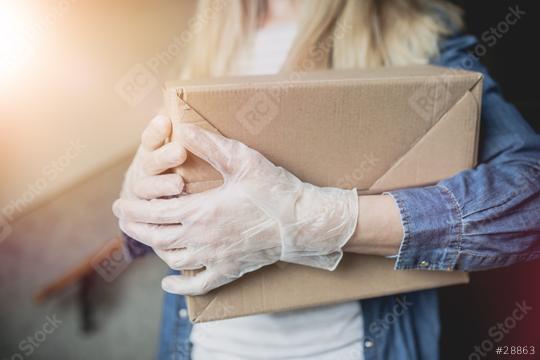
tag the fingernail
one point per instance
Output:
(117, 208)
(161, 120)
(166, 284)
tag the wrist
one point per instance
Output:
(379, 230)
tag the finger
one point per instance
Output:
(155, 236)
(154, 187)
(157, 131)
(166, 157)
(219, 151)
(198, 284)
(181, 258)
(159, 211)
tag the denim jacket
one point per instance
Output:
(481, 218)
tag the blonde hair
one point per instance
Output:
(332, 33)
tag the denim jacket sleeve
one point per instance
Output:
(485, 217)
(135, 249)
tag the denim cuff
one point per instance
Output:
(432, 223)
(136, 249)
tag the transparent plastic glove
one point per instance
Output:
(261, 214)
(144, 178)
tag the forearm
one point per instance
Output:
(379, 230)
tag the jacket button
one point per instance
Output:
(368, 343)
(424, 263)
(182, 313)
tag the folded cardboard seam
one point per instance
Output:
(190, 115)
(316, 127)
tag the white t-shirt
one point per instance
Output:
(321, 333)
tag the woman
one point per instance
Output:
(481, 218)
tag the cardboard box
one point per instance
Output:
(375, 130)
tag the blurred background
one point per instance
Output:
(79, 79)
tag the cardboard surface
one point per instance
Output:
(376, 130)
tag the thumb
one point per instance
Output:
(222, 153)
(197, 284)
(155, 134)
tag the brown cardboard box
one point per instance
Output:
(375, 130)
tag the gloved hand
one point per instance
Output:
(261, 214)
(144, 178)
